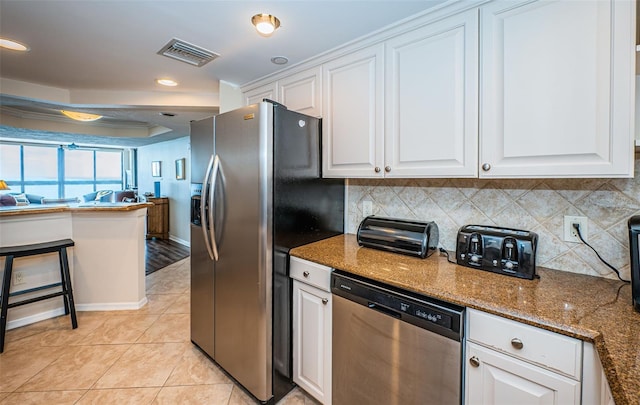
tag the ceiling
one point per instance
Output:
(102, 56)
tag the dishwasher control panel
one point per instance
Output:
(428, 313)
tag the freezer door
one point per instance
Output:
(201, 140)
(202, 266)
(243, 280)
(201, 293)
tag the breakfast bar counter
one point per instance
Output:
(12, 211)
(107, 262)
(592, 309)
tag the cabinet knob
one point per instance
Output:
(517, 343)
(306, 274)
(475, 362)
(486, 167)
(377, 169)
(387, 169)
(325, 300)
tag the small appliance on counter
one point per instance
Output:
(634, 246)
(499, 250)
(399, 236)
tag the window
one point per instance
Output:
(54, 172)
(39, 171)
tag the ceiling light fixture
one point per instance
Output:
(167, 82)
(265, 23)
(80, 116)
(13, 45)
(279, 60)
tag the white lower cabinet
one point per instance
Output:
(595, 387)
(507, 362)
(312, 328)
(495, 378)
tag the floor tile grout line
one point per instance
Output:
(111, 366)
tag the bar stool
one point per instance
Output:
(11, 252)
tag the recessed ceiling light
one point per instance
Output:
(167, 82)
(265, 23)
(280, 60)
(13, 45)
(80, 116)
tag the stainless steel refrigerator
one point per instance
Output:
(262, 194)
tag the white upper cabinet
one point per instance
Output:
(302, 92)
(257, 94)
(507, 89)
(352, 127)
(557, 88)
(431, 100)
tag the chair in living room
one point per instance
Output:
(100, 196)
(71, 200)
(125, 196)
(19, 199)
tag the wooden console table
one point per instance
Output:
(158, 218)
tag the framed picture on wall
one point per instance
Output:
(155, 168)
(180, 169)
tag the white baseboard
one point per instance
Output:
(180, 241)
(109, 306)
(41, 316)
(28, 320)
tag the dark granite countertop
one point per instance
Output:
(589, 308)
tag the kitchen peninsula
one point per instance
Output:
(593, 310)
(107, 262)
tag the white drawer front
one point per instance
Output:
(311, 273)
(551, 350)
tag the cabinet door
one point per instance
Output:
(352, 130)
(431, 96)
(595, 386)
(557, 89)
(158, 218)
(256, 95)
(302, 92)
(501, 379)
(312, 340)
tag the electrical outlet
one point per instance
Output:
(18, 278)
(367, 208)
(570, 234)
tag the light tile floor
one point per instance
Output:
(120, 357)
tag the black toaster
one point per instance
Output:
(411, 238)
(500, 250)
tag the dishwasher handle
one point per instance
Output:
(384, 310)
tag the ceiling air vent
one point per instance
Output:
(188, 53)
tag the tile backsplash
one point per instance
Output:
(537, 205)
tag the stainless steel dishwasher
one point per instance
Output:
(393, 347)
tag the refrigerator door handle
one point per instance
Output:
(203, 204)
(212, 229)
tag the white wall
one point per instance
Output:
(230, 97)
(178, 191)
